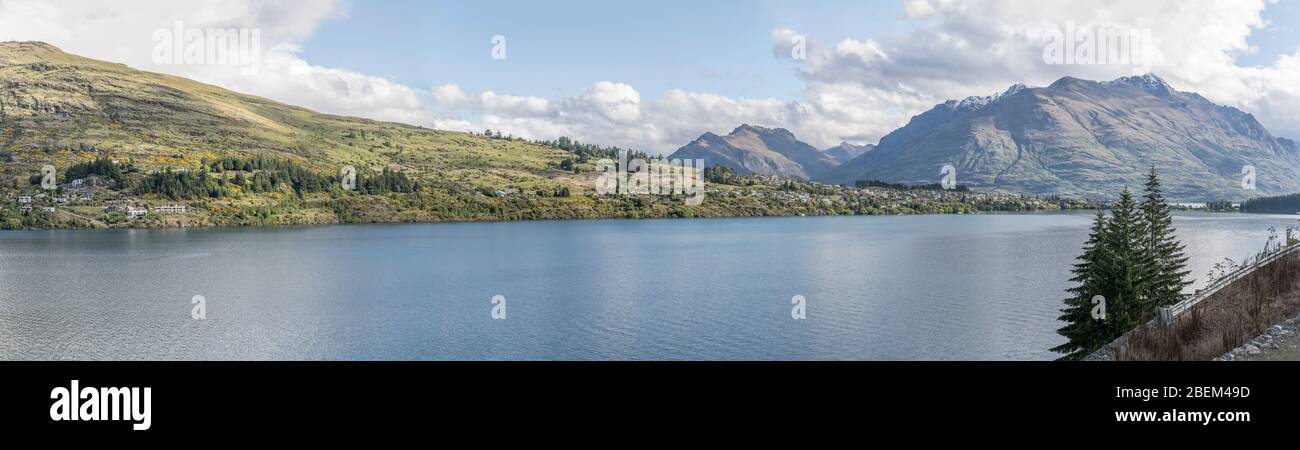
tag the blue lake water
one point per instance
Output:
(982, 287)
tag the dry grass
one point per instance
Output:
(1226, 320)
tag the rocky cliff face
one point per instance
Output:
(1085, 138)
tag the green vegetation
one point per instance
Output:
(906, 187)
(1168, 269)
(1283, 204)
(1133, 262)
(183, 185)
(1220, 206)
(589, 152)
(103, 167)
(388, 181)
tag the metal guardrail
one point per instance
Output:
(1171, 313)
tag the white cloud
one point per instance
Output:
(512, 104)
(979, 47)
(615, 102)
(450, 95)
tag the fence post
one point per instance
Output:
(1166, 316)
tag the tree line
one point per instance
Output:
(1283, 204)
(261, 175)
(587, 152)
(908, 187)
(103, 167)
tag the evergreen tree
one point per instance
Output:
(1133, 261)
(1085, 333)
(1128, 267)
(1169, 264)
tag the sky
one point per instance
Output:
(654, 75)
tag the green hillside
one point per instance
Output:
(60, 109)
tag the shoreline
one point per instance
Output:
(586, 219)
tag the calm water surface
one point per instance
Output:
(894, 288)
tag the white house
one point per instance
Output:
(24, 199)
(169, 209)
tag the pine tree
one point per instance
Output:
(1116, 265)
(1129, 268)
(1169, 264)
(1085, 333)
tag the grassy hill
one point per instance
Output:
(60, 109)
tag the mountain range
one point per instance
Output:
(764, 151)
(1075, 137)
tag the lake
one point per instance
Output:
(974, 287)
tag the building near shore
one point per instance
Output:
(170, 209)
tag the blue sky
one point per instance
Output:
(1280, 37)
(560, 48)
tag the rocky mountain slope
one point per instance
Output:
(1085, 138)
(758, 150)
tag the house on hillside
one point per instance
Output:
(130, 211)
(169, 209)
